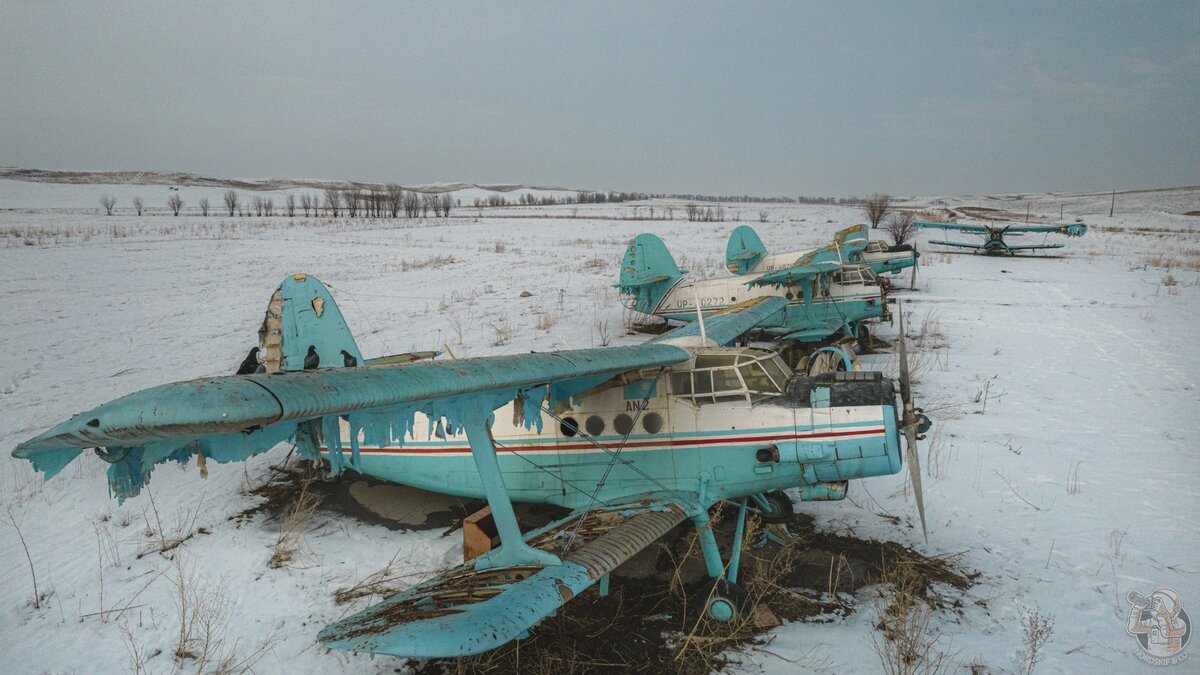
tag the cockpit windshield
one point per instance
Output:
(748, 376)
(858, 274)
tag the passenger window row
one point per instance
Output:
(623, 424)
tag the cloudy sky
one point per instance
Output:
(758, 97)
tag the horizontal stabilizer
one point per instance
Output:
(727, 325)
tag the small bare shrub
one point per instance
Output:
(900, 227)
(503, 330)
(1038, 629)
(203, 206)
(108, 202)
(876, 207)
(604, 334)
(175, 202)
(138, 205)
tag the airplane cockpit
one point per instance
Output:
(732, 376)
(855, 274)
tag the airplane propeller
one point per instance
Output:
(913, 422)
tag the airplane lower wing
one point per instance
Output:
(955, 243)
(727, 325)
(1030, 247)
(793, 275)
(467, 611)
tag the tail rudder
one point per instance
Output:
(744, 250)
(302, 313)
(647, 272)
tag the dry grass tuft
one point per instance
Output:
(294, 524)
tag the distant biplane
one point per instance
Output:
(993, 235)
(635, 439)
(746, 254)
(823, 295)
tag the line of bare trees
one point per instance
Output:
(388, 202)
(705, 214)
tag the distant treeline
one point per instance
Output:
(767, 200)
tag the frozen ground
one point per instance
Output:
(1075, 483)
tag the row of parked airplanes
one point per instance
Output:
(634, 440)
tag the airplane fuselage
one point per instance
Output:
(832, 304)
(679, 438)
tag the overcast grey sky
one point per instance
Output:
(756, 97)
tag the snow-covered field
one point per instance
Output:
(1064, 466)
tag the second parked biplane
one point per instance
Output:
(746, 254)
(993, 235)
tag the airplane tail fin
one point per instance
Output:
(302, 314)
(647, 272)
(744, 250)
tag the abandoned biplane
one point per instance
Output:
(823, 296)
(636, 439)
(993, 235)
(746, 254)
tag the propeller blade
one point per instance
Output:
(914, 467)
(905, 390)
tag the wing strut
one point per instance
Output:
(513, 549)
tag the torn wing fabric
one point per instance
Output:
(234, 417)
(465, 610)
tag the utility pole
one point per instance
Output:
(1027, 212)
(1060, 210)
(1113, 204)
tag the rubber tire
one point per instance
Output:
(865, 344)
(782, 508)
(724, 597)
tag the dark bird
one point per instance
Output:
(249, 364)
(312, 360)
(348, 359)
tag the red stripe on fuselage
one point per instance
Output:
(438, 450)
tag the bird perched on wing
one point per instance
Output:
(312, 360)
(249, 363)
(348, 360)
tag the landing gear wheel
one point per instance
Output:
(780, 507)
(723, 601)
(864, 340)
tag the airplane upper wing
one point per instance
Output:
(467, 611)
(796, 273)
(1071, 229)
(960, 227)
(233, 417)
(729, 324)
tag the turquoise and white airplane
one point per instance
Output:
(746, 254)
(993, 235)
(823, 296)
(634, 439)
